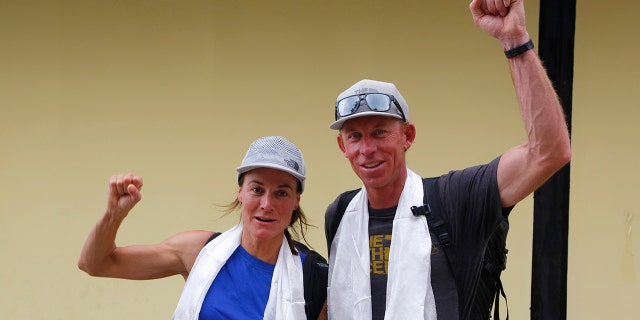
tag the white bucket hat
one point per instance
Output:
(277, 153)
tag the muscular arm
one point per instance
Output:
(525, 167)
(176, 255)
(102, 258)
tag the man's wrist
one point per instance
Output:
(514, 52)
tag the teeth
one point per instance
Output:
(371, 165)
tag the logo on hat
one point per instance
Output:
(365, 90)
(293, 164)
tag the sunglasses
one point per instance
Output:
(375, 101)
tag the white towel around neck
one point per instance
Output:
(286, 297)
(409, 292)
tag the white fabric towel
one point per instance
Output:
(286, 298)
(409, 292)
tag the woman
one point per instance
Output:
(251, 271)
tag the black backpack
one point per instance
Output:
(315, 272)
(475, 299)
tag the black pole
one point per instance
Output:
(551, 200)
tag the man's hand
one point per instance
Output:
(501, 19)
(124, 193)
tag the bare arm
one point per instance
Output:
(323, 313)
(101, 257)
(525, 167)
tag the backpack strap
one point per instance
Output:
(315, 273)
(499, 291)
(331, 227)
(431, 210)
(495, 261)
(492, 265)
(213, 236)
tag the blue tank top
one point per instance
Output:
(240, 290)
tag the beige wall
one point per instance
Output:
(176, 90)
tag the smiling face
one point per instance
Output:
(375, 147)
(268, 198)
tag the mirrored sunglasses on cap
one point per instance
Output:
(380, 102)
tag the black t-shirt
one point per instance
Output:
(442, 282)
(380, 226)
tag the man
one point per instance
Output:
(374, 134)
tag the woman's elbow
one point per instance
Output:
(90, 269)
(84, 267)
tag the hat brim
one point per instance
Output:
(337, 125)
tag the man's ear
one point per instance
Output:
(340, 142)
(409, 135)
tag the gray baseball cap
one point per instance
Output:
(364, 87)
(276, 153)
